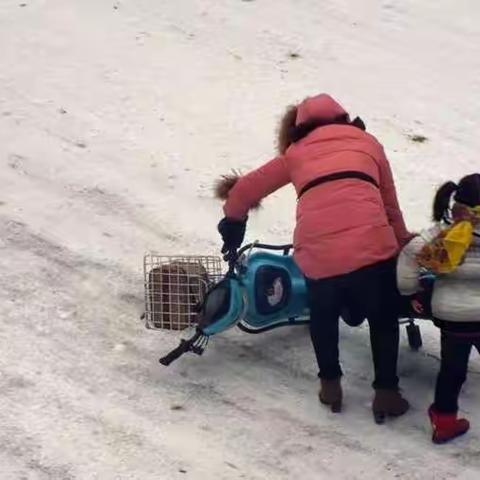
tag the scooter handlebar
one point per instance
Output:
(184, 347)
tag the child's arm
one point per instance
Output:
(408, 270)
(251, 188)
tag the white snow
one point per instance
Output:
(115, 117)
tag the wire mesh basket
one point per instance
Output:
(175, 286)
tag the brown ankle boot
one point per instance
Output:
(388, 402)
(331, 394)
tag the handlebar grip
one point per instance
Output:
(175, 353)
(184, 347)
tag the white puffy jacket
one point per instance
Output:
(456, 296)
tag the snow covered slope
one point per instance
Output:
(115, 117)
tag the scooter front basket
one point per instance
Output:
(175, 288)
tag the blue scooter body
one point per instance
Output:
(267, 290)
(262, 291)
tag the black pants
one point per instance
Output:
(370, 292)
(453, 370)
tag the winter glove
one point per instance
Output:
(233, 233)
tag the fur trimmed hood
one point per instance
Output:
(313, 112)
(296, 123)
(321, 108)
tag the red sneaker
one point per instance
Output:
(446, 426)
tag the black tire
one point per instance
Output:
(414, 336)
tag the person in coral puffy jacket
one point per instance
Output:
(349, 229)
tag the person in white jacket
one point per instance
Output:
(446, 261)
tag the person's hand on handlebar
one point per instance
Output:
(233, 233)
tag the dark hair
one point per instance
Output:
(467, 192)
(441, 203)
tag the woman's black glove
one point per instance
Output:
(233, 233)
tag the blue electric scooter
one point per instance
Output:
(262, 290)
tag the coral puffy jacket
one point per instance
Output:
(342, 225)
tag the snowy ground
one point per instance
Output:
(114, 119)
